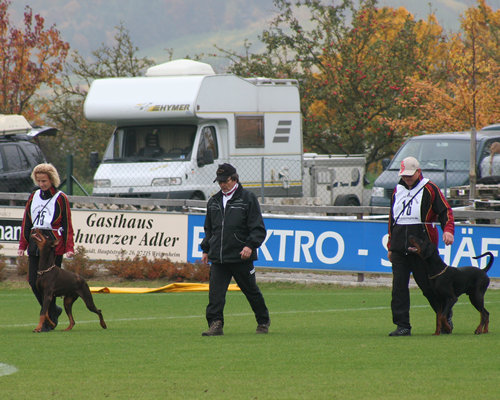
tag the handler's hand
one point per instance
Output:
(204, 258)
(70, 254)
(20, 253)
(448, 238)
(389, 255)
(246, 253)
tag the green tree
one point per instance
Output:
(80, 136)
(354, 65)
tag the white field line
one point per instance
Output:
(202, 316)
(6, 369)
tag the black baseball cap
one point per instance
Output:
(224, 172)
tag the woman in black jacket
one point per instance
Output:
(234, 229)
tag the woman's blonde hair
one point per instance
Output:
(48, 169)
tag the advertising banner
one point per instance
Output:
(359, 246)
(294, 243)
(10, 230)
(107, 235)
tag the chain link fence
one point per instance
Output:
(328, 178)
(444, 173)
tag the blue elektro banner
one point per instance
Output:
(357, 246)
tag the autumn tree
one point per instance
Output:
(81, 136)
(353, 64)
(30, 57)
(468, 94)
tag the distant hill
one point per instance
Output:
(188, 27)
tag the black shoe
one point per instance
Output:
(214, 330)
(263, 328)
(401, 332)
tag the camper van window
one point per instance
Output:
(208, 141)
(249, 131)
(151, 143)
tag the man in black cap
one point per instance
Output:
(234, 229)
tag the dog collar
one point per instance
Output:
(45, 270)
(442, 272)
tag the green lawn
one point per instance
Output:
(325, 342)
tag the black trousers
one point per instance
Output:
(32, 275)
(244, 275)
(402, 266)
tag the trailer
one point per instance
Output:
(334, 179)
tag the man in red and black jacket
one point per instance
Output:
(417, 203)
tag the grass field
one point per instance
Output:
(325, 342)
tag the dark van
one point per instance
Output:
(444, 158)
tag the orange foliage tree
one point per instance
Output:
(29, 58)
(372, 76)
(354, 61)
(468, 95)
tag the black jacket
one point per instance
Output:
(228, 230)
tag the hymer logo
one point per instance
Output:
(282, 134)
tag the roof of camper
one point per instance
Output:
(180, 67)
(184, 90)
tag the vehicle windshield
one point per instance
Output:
(432, 153)
(151, 143)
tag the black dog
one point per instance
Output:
(449, 283)
(53, 281)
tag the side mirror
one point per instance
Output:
(206, 158)
(385, 163)
(94, 159)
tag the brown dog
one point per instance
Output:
(449, 283)
(53, 281)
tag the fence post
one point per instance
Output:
(262, 180)
(69, 175)
(445, 161)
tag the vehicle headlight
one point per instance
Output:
(377, 191)
(167, 181)
(102, 183)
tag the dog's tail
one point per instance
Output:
(490, 261)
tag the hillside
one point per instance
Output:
(188, 27)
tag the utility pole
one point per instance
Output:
(472, 170)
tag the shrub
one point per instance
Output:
(22, 265)
(158, 268)
(80, 264)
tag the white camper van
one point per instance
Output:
(175, 125)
